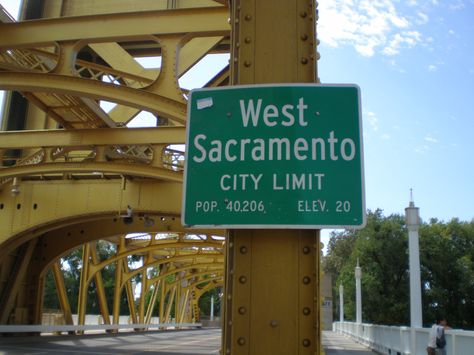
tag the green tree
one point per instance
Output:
(446, 253)
(447, 269)
(381, 248)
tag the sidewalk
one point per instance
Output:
(338, 344)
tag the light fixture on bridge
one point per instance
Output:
(15, 188)
(128, 218)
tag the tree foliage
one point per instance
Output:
(447, 270)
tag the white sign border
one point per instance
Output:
(273, 226)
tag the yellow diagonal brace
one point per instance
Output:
(99, 285)
(129, 292)
(210, 20)
(94, 89)
(83, 285)
(19, 276)
(152, 303)
(62, 295)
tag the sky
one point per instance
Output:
(414, 63)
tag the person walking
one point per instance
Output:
(437, 339)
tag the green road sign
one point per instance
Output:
(274, 156)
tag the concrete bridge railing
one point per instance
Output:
(404, 340)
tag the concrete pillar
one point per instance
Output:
(358, 275)
(413, 223)
(341, 303)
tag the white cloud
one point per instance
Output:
(422, 149)
(385, 136)
(432, 68)
(458, 5)
(370, 26)
(430, 139)
(422, 18)
(406, 38)
(373, 120)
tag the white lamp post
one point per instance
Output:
(358, 275)
(412, 218)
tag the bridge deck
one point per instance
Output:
(335, 343)
(185, 342)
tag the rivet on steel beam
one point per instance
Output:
(247, 63)
(237, 45)
(227, 351)
(306, 311)
(231, 245)
(304, 37)
(229, 114)
(243, 249)
(273, 323)
(306, 343)
(242, 279)
(236, 20)
(242, 310)
(241, 341)
(306, 250)
(229, 323)
(306, 280)
(229, 297)
(303, 14)
(248, 17)
(236, 59)
(304, 60)
(247, 39)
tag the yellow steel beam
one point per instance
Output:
(143, 290)
(99, 286)
(61, 292)
(144, 100)
(199, 21)
(138, 170)
(152, 303)
(18, 274)
(272, 276)
(83, 285)
(119, 59)
(92, 137)
(189, 54)
(118, 285)
(172, 298)
(86, 231)
(129, 291)
(42, 206)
